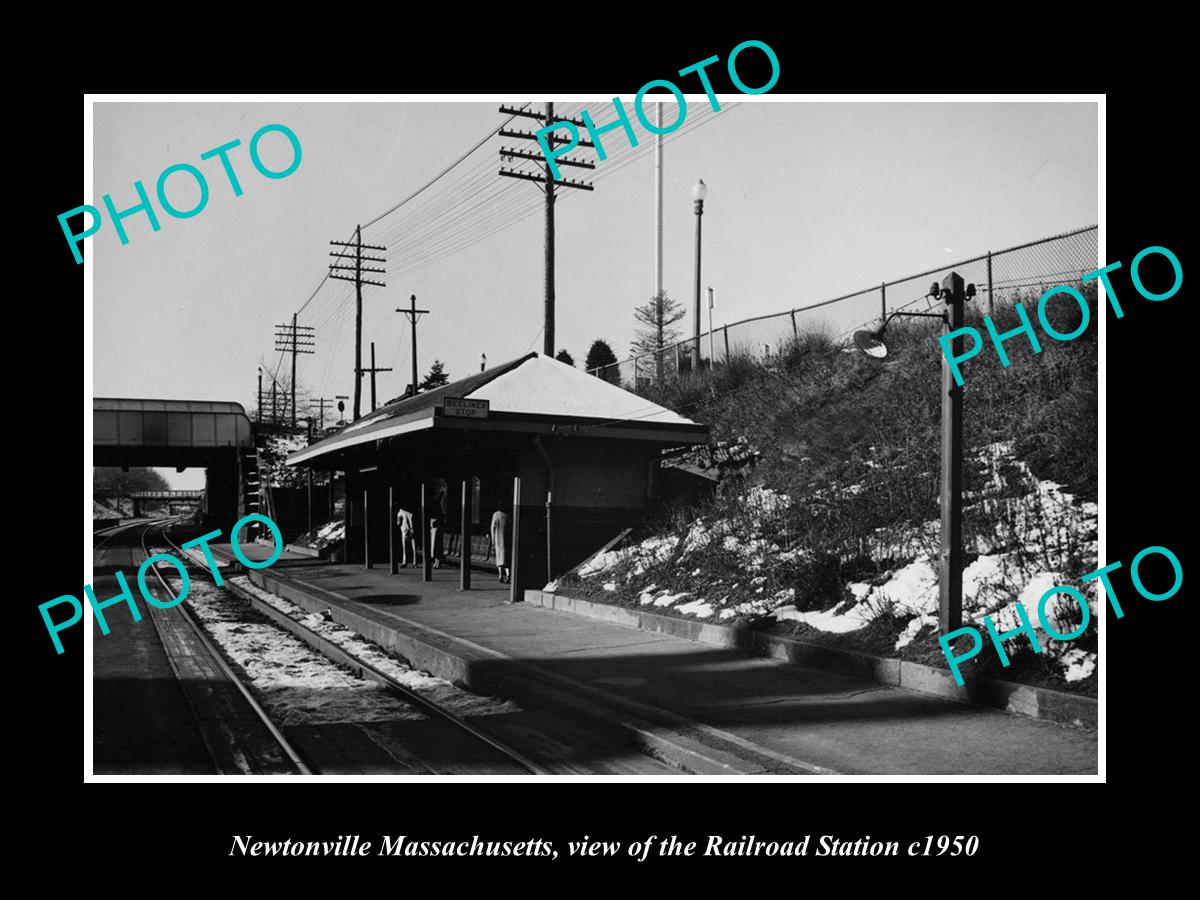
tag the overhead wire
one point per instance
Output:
(463, 217)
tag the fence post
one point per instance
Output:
(549, 542)
(426, 549)
(514, 569)
(990, 306)
(393, 566)
(464, 543)
(726, 344)
(347, 520)
(795, 330)
(367, 564)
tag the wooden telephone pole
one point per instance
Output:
(321, 403)
(358, 247)
(294, 339)
(413, 314)
(373, 370)
(548, 182)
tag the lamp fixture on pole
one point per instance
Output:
(870, 342)
(699, 193)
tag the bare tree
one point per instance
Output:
(277, 397)
(657, 329)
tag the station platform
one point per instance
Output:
(706, 709)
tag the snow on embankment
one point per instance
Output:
(1034, 528)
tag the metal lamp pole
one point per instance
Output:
(955, 296)
(950, 583)
(711, 356)
(699, 192)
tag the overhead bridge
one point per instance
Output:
(167, 495)
(209, 434)
(180, 433)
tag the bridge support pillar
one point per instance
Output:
(223, 492)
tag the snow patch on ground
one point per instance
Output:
(305, 686)
(828, 620)
(698, 608)
(1040, 525)
(1077, 664)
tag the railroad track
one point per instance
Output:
(107, 534)
(231, 750)
(362, 668)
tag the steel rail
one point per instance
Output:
(225, 668)
(342, 656)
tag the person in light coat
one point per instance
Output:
(500, 545)
(408, 548)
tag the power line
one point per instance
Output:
(438, 176)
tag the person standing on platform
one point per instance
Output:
(408, 549)
(500, 545)
(435, 536)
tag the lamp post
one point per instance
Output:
(307, 420)
(699, 192)
(952, 292)
(711, 355)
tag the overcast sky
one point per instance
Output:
(806, 201)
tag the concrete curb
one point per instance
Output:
(304, 551)
(1025, 700)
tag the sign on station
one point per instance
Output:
(466, 409)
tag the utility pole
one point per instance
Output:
(294, 339)
(373, 370)
(413, 314)
(358, 247)
(321, 404)
(548, 182)
(658, 204)
(260, 395)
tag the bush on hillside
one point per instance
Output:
(854, 442)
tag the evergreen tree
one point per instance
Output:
(601, 355)
(437, 376)
(656, 320)
(564, 356)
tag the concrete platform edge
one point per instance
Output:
(454, 659)
(1026, 700)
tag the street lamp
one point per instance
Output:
(870, 342)
(699, 192)
(308, 421)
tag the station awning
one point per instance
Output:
(533, 394)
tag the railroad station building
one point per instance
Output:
(585, 453)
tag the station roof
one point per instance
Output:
(534, 393)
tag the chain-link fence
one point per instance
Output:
(1001, 278)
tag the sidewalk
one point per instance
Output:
(804, 718)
